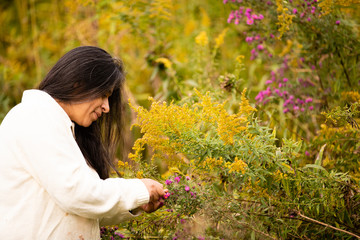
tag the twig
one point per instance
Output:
(326, 225)
(343, 66)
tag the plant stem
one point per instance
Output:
(343, 66)
(326, 225)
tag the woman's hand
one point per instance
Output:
(156, 192)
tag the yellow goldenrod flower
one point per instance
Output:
(240, 58)
(238, 166)
(161, 9)
(351, 96)
(284, 19)
(220, 39)
(202, 39)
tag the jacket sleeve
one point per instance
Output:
(51, 155)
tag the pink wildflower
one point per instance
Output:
(295, 11)
(308, 100)
(337, 22)
(260, 47)
(187, 188)
(177, 179)
(249, 21)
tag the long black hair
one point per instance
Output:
(86, 73)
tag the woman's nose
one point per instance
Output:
(105, 105)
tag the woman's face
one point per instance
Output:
(87, 112)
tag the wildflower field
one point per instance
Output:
(248, 111)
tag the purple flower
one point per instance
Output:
(337, 22)
(311, 108)
(295, 11)
(260, 47)
(286, 110)
(119, 234)
(187, 188)
(268, 82)
(307, 153)
(249, 21)
(309, 19)
(177, 179)
(308, 100)
(249, 39)
(168, 182)
(277, 91)
(187, 178)
(285, 79)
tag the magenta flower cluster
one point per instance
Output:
(177, 180)
(280, 87)
(258, 44)
(237, 15)
(292, 91)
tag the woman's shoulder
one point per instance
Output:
(36, 110)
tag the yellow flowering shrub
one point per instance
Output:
(284, 18)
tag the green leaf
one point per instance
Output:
(316, 167)
(253, 235)
(318, 160)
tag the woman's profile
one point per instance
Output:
(56, 152)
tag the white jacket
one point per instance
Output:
(47, 190)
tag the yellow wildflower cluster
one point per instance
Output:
(351, 96)
(239, 59)
(122, 164)
(279, 176)
(202, 39)
(140, 174)
(284, 19)
(211, 162)
(228, 125)
(159, 121)
(161, 9)
(328, 6)
(333, 132)
(237, 166)
(220, 39)
(167, 63)
(245, 108)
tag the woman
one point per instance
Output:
(57, 148)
